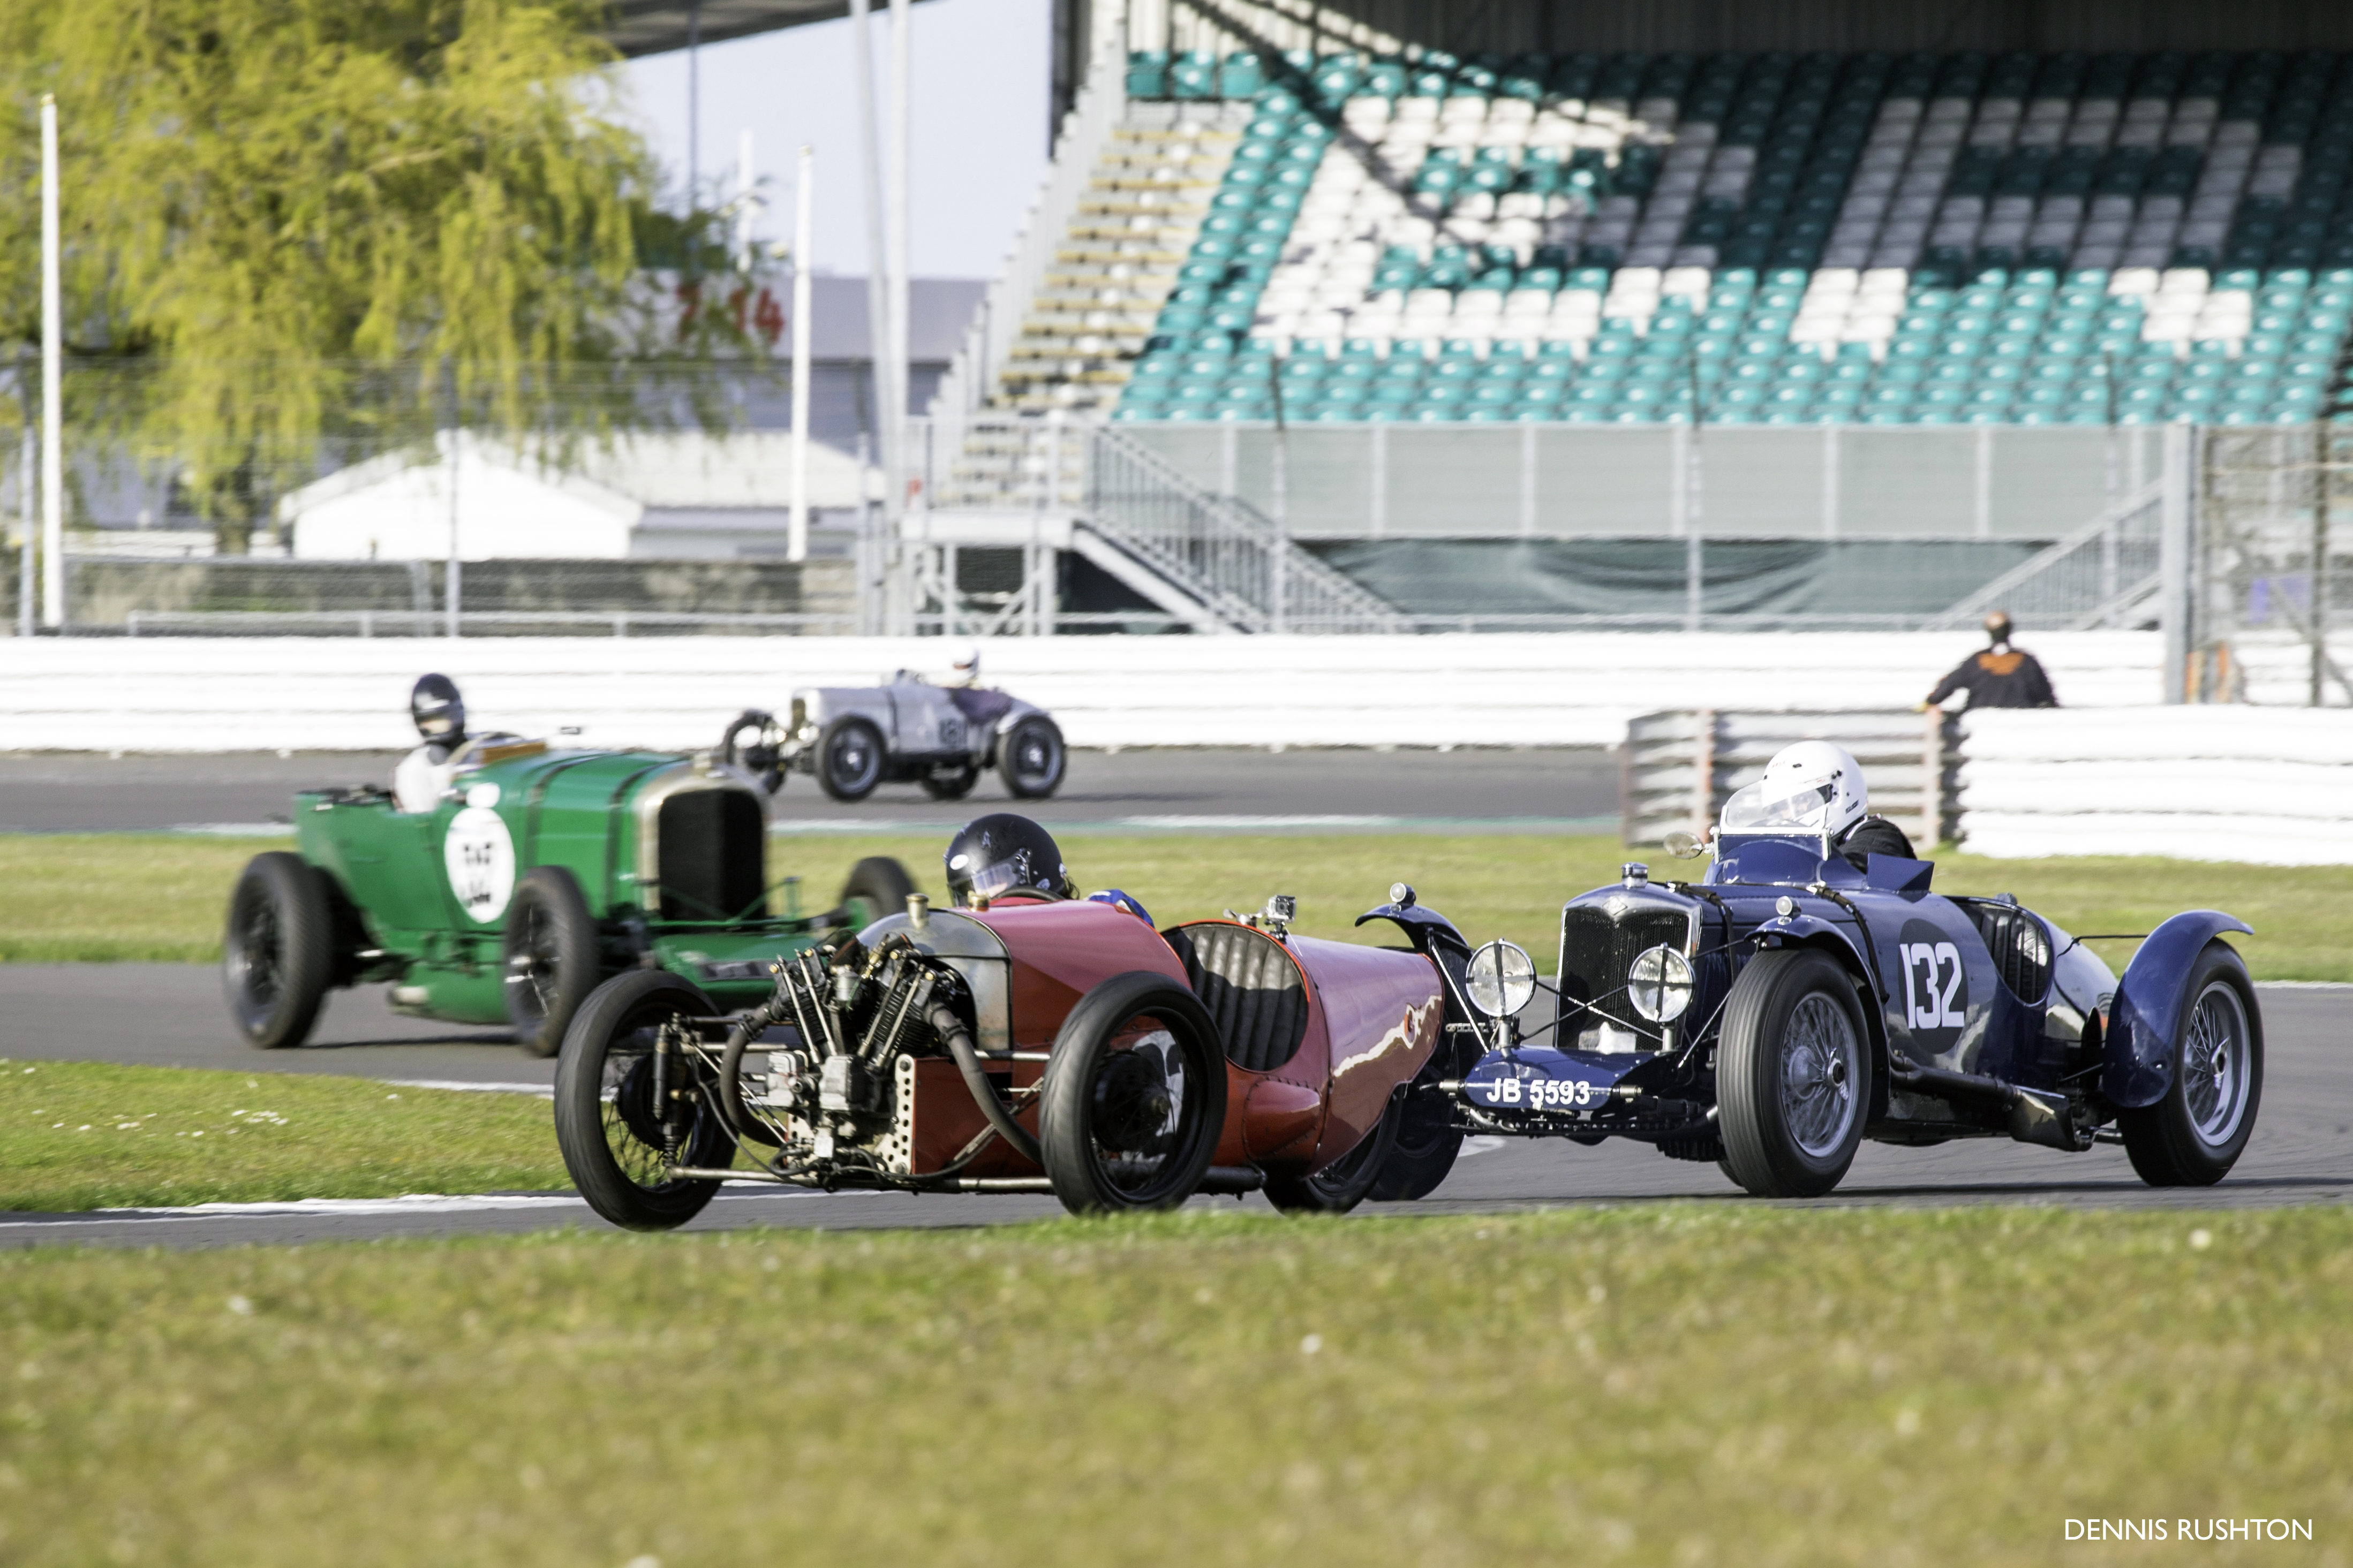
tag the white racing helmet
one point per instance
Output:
(1809, 787)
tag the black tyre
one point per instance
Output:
(551, 951)
(1134, 1096)
(1428, 1142)
(755, 742)
(617, 1137)
(849, 759)
(1423, 1154)
(1346, 1180)
(1792, 1075)
(1033, 758)
(877, 886)
(951, 784)
(278, 955)
(2192, 1136)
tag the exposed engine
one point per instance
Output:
(841, 1035)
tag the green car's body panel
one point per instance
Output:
(669, 853)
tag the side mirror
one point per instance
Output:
(1682, 845)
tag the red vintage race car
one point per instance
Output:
(1027, 1046)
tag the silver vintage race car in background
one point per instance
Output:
(853, 738)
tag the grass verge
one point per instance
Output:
(85, 1135)
(1684, 1385)
(123, 897)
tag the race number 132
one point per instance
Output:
(1932, 997)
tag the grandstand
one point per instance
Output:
(1917, 239)
(1563, 313)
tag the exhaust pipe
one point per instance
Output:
(2032, 1115)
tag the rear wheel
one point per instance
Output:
(278, 955)
(849, 759)
(1134, 1096)
(551, 957)
(1792, 1075)
(1033, 758)
(618, 1134)
(2192, 1136)
(1348, 1179)
(878, 886)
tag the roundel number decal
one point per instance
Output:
(481, 858)
(1935, 982)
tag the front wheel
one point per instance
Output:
(1134, 1096)
(278, 955)
(618, 1131)
(550, 946)
(849, 759)
(1792, 1075)
(1348, 1179)
(2196, 1132)
(1033, 758)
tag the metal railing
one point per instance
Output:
(2103, 574)
(1218, 550)
(471, 623)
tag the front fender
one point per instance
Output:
(2138, 1065)
(1812, 931)
(1422, 927)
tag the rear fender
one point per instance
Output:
(2138, 1055)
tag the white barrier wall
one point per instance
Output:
(2270, 786)
(335, 694)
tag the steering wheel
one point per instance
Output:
(755, 742)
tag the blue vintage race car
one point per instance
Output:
(1789, 1003)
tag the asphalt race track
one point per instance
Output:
(1552, 789)
(170, 1014)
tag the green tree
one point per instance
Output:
(288, 221)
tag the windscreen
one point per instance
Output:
(1767, 806)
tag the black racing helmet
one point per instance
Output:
(439, 712)
(999, 853)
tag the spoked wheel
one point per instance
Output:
(622, 1120)
(1793, 1076)
(1348, 1179)
(2196, 1132)
(1034, 758)
(551, 957)
(1134, 1096)
(849, 759)
(278, 953)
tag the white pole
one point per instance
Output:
(797, 541)
(901, 118)
(27, 585)
(455, 570)
(878, 253)
(746, 203)
(53, 468)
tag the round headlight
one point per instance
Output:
(1659, 984)
(1502, 979)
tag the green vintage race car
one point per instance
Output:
(539, 875)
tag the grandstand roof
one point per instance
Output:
(657, 26)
